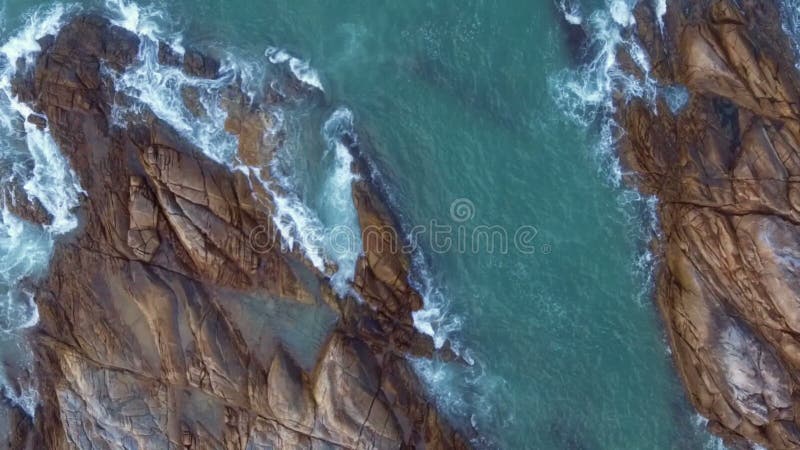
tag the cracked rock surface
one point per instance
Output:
(152, 329)
(726, 168)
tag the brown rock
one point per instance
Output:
(39, 121)
(725, 169)
(152, 331)
(16, 200)
(385, 266)
(255, 128)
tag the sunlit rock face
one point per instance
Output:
(163, 326)
(725, 167)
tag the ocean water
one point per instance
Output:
(487, 128)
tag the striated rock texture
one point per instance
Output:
(152, 332)
(726, 168)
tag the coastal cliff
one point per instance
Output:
(152, 332)
(725, 167)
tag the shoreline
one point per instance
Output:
(722, 317)
(181, 246)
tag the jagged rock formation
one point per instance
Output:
(726, 169)
(17, 201)
(150, 333)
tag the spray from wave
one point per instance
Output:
(571, 11)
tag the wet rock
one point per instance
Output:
(258, 139)
(167, 55)
(200, 65)
(22, 82)
(17, 201)
(191, 99)
(39, 121)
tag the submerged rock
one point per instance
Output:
(725, 167)
(137, 344)
(191, 99)
(200, 65)
(167, 56)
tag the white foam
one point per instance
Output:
(457, 389)
(435, 318)
(343, 242)
(159, 87)
(571, 11)
(713, 442)
(661, 11)
(132, 17)
(53, 183)
(301, 69)
(587, 93)
(298, 224)
(622, 13)
(40, 23)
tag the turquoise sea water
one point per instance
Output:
(474, 103)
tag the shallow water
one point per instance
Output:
(475, 114)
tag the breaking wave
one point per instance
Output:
(301, 69)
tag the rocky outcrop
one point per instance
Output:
(725, 168)
(152, 332)
(19, 203)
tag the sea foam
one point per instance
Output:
(572, 11)
(336, 208)
(301, 69)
